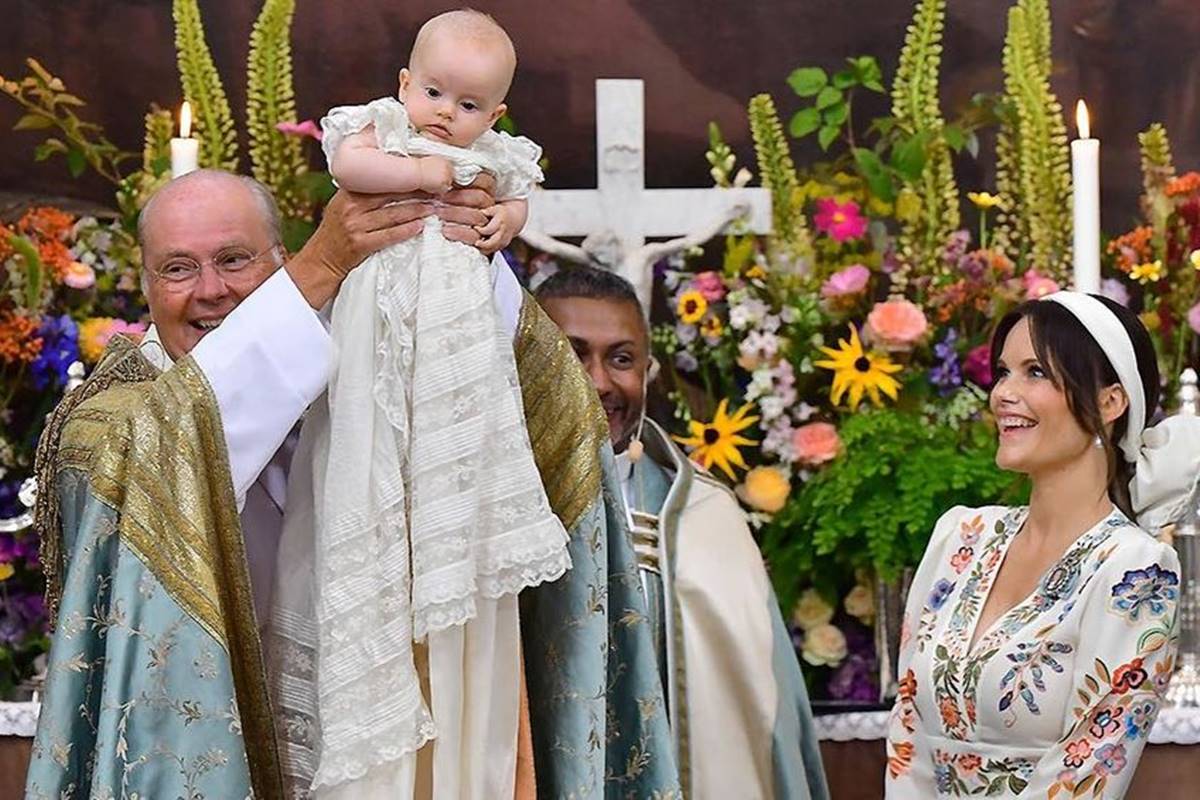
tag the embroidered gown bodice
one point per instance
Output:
(1056, 697)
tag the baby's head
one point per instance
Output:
(457, 76)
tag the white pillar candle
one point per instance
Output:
(1085, 178)
(185, 151)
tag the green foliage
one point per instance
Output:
(832, 98)
(156, 142)
(47, 106)
(276, 160)
(1034, 172)
(1158, 168)
(917, 111)
(778, 174)
(877, 503)
(203, 88)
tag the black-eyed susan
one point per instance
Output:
(857, 371)
(717, 442)
(691, 308)
(712, 327)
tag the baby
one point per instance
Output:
(424, 504)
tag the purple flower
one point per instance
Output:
(946, 375)
(10, 504)
(978, 366)
(941, 591)
(1114, 290)
(955, 247)
(854, 680)
(60, 348)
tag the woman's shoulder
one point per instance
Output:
(974, 522)
(1130, 547)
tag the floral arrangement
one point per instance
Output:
(68, 287)
(836, 373)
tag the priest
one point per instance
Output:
(740, 717)
(161, 485)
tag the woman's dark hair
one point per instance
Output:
(1078, 367)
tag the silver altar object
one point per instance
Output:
(1184, 689)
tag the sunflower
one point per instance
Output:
(717, 442)
(859, 371)
(691, 307)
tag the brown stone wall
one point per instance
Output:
(1136, 61)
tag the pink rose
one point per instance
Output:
(978, 365)
(710, 285)
(307, 128)
(897, 324)
(1193, 317)
(849, 281)
(816, 443)
(840, 221)
(79, 275)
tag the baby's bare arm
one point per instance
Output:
(360, 166)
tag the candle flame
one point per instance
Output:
(1081, 120)
(185, 120)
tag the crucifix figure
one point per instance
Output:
(616, 217)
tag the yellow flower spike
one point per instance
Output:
(1150, 272)
(717, 442)
(757, 273)
(858, 372)
(985, 200)
(691, 307)
(6, 571)
(1194, 258)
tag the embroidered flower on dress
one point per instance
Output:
(1152, 587)
(941, 591)
(962, 559)
(968, 764)
(1139, 718)
(1104, 722)
(1110, 759)
(1077, 753)
(1128, 676)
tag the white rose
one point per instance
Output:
(860, 603)
(811, 611)
(824, 646)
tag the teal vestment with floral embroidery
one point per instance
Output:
(1058, 695)
(155, 686)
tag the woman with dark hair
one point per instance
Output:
(1038, 640)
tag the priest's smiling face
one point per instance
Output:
(609, 336)
(214, 221)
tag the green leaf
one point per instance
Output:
(869, 74)
(955, 137)
(506, 124)
(48, 148)
(828, 96)
(872, 168)
(908, 157)
(33, 122)
(807, 81)
(317, 185)
(844, 79)
(804, 122)
(827, 135)
(836, 113)
(714, 135)
(33, 269)
(76, 162)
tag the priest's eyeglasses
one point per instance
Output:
(182, 272)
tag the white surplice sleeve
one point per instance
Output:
(1127, 648)
(266, 363)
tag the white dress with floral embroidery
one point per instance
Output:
(1056, 699)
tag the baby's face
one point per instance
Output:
(454, 88)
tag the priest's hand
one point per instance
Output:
(353, 227)
(462, 211)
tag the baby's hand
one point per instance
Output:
(501, 228)
(437, 175)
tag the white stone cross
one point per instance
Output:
(618, 215)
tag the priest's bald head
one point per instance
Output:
(208, 239)
(601, 316)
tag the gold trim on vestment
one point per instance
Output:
(566, 423)
(154, 451)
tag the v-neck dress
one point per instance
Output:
(1057, 697)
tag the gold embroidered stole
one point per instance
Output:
(153, 448)
(566, 423)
